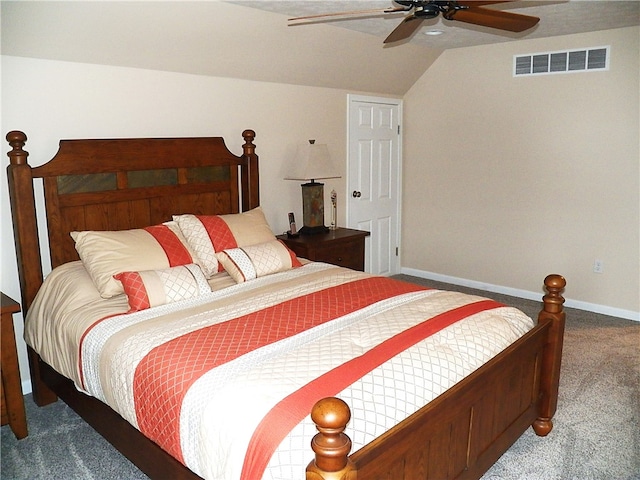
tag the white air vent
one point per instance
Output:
(561, 62)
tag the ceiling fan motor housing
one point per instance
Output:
(431, 8)
(427, 11)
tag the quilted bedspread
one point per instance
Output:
(225, 382)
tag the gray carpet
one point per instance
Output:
(596, 434)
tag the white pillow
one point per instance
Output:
(253, 261)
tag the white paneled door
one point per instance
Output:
(374, 178)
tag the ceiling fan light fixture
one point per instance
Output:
(434, 33)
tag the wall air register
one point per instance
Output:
(567, 61)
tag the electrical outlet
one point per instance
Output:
(598, 266)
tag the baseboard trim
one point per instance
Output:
(516, 292)
(26, 387)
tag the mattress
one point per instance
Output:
(225, 381)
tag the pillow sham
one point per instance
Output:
(253, 261)
(107, 253)
(152, 288)
(208, 234)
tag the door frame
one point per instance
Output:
(351, 98)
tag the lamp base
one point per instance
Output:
(313, 208)
(313, 230)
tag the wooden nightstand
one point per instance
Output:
(342, 246)
(12, 399)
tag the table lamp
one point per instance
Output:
(312, 163)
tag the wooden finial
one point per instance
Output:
(248, 147)
(553, 300)
(331, 445)
(17, 139)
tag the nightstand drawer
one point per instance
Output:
(345, 254)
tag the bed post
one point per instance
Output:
(331, 445)
(551, 361)
(23, 210)
(25, 233)
(250, 188)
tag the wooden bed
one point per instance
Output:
(132, 183)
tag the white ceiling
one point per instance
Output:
(558, 17)
(251, 39)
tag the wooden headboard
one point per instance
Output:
(119, 184)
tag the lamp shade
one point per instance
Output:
(313, 162)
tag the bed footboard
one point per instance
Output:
(464, 431)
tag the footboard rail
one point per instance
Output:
(464, 431)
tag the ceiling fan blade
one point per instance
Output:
(407, 27)
(480, 3)
(512, 22)
(354, 12)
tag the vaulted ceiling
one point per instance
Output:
(252, 39)
(558, 17)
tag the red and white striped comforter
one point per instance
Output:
(225, 382)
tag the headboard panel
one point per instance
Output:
(121, 184)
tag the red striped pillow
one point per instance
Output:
(208, 234)
(108, 253)
(152, 288)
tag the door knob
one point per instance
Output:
(356, 194)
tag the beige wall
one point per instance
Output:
(509, 179)
(50, 100)
(505, 180)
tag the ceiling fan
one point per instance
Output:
(462, 11)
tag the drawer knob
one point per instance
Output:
(356, 194)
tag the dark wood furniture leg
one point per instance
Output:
(12, 399)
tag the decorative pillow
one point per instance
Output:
(151, 288)
(208, 234)
(253, 261)
(105, 254)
